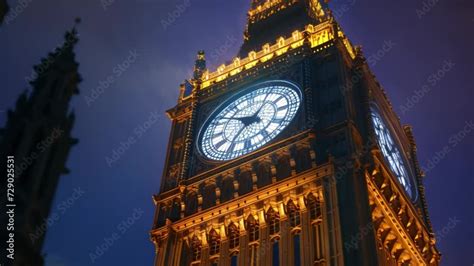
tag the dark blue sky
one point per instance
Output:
(405, 47)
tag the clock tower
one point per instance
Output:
(290, 155)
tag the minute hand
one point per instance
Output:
(261, 106)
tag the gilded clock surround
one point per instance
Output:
(306, 193)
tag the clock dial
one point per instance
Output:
(250, 121)
(392, 153)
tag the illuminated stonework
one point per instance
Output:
(316, 35)
(391, 152)
(276, 158)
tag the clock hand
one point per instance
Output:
(261, 106)
(235, 137)
(248, 120)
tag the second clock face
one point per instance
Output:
(247, 123)
(392, 153)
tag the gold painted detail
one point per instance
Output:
(317, 9)
(263, 165)
(316, 35)
(298, 204)
(398, 227)
(269, 8)
(307, 181)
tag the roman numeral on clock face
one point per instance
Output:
(246, 123)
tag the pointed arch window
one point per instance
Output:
(196, 248)
(273, 219)
(234, 236)
(314, 205)
(214, 242)
(253, 229)
(293, 214)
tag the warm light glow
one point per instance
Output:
(296, 35)
(281, 42)
(253, 55)
(221, 69)
(237, 62)
(318, 35)
(266, 48)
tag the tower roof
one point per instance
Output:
(270, 19)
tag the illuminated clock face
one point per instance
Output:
(250, 121)
(392, 153)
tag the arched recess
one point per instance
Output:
(162, 214)
(253, 228)
(227, 190)
(191, 203)
(214, 240)
(208, 196)
(313, 204)
(175, 212)
(253, 232)
(303, 159)
(283, 167)
(293, 212)
(196, 249)
(245, 182)
(264, 174)
(233, 234)
(273, 221)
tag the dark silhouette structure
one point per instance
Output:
(3, 10)
(38, 136)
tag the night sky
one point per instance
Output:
(408, 51)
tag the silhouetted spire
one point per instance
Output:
(4, 8)
(38, 135)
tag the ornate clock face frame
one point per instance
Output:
(391, 152)
(250, 120)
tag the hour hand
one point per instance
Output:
(248, 120)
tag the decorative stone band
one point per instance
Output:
(316, 35)
(396, 223)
